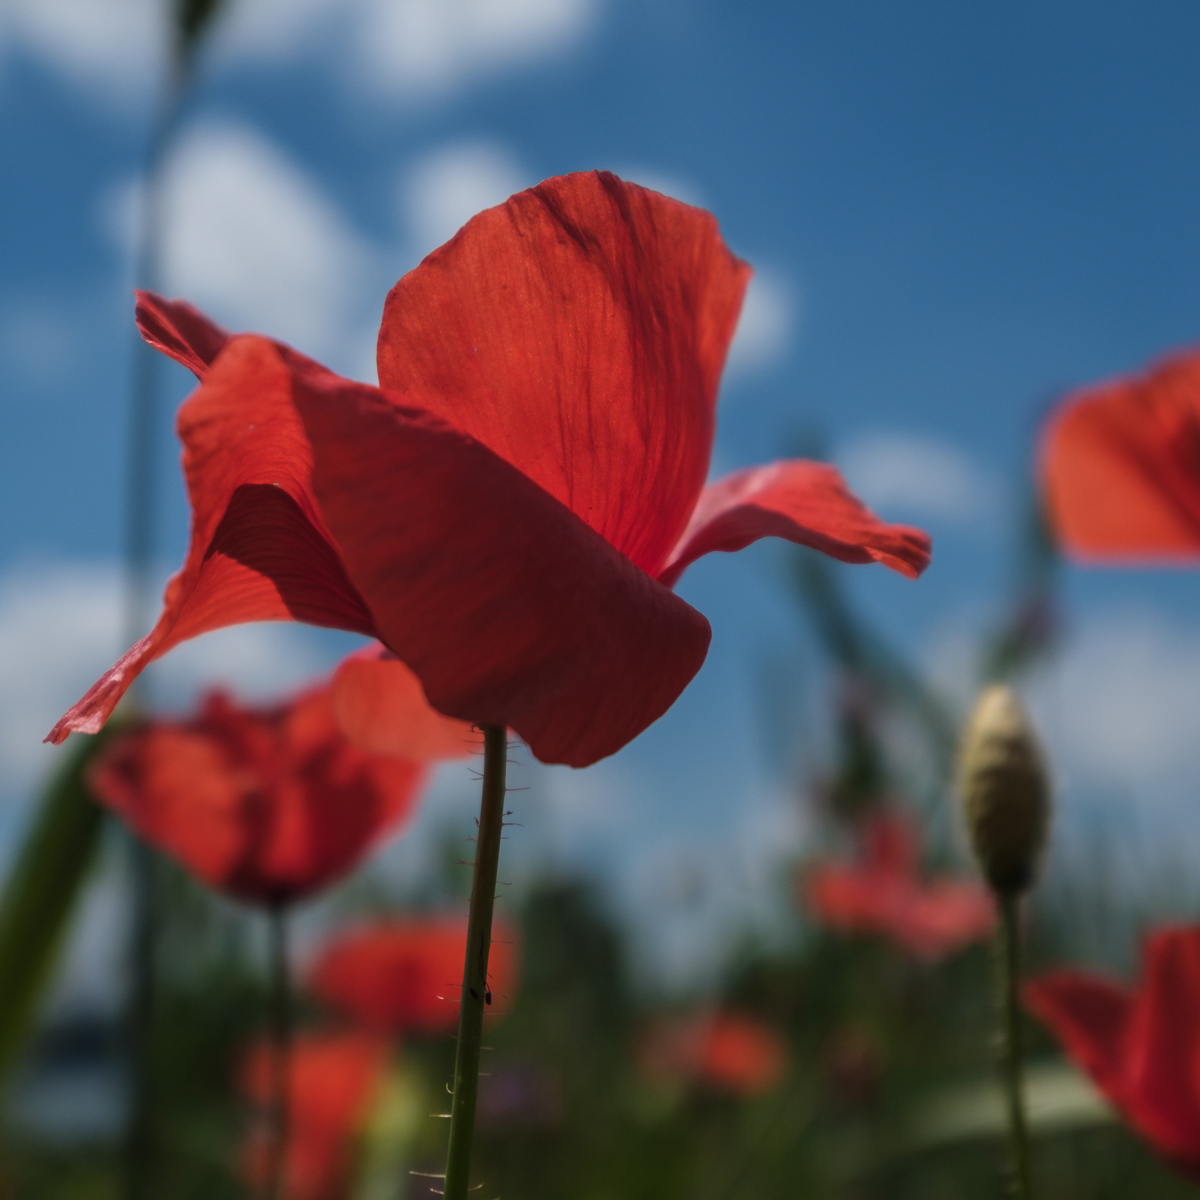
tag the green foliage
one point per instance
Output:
(41, 891)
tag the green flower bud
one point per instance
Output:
(1005, 790)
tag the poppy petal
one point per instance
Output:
(381, 707)
(267, 805)
(180, 331)
(508, 607)
(578, 331)
(259, 548)
(803, 502)
(1089, 1016)
(1120, 468)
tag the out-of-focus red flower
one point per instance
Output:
(1142, 1049)
(405, 976)
(883, 892)
(1120, 468)
(332, 1080)
(509, 511)
(723, 1051)
(267, 805)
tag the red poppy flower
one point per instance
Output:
(406, 976)
(265, 804)
(884, 893)
(1142, 1049)
(724, 1051)
(509, 510)
(333, 1079)
(1120, 467)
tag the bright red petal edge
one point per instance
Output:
(800, 501)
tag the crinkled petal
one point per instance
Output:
(259, 547)
(508, 607)
(1120, 468)
(803, 502)
(1141, 1050)
(382, 708)
(578, 331)
(180, 331)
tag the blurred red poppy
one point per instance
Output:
(723, 1051)
(509, 511)
(267, 805)
(333, 1079)
(405, 976)
(1120, 467)
(884, 893)
(1142, 1049)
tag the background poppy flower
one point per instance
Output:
(507, 512)
(332, 1080)
(1120, 467)
(884, 893)
(1142, 1049)
(725, 1051)
(267, 805)
(405, 976)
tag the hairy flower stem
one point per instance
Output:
(475, 992)
(1008, 973)
(279, 1016)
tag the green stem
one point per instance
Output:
(1008, 964)
(475, 992)
(280, 1019)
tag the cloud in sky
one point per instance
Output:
(395, 49)
(61, 626)
(767, 325)
(917, 477)
(431, 48)
(443, 189)
(253, 240)
(1120, 707)
(109, 48)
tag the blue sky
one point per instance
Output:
(955, 212)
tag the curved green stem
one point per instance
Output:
(1008, 964)
(475, 992)
(280, 1018)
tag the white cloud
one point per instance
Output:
(398, 49)
(921, 477)
(766, 327)
(254, 241)
(109, 48)
(443, 190)
(1120, 706)
(422, 48)
(60, 628)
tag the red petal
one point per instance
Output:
(382, 708)
(259, 549)
(406, 976)
(579, 331)
(333, 1079)
(1090, 1016)
(803, 502)
(1120, 468)
(1163, 1064)
(508, 607)
(267, 805)
(178, 329)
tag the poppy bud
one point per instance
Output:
(1005, 791)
